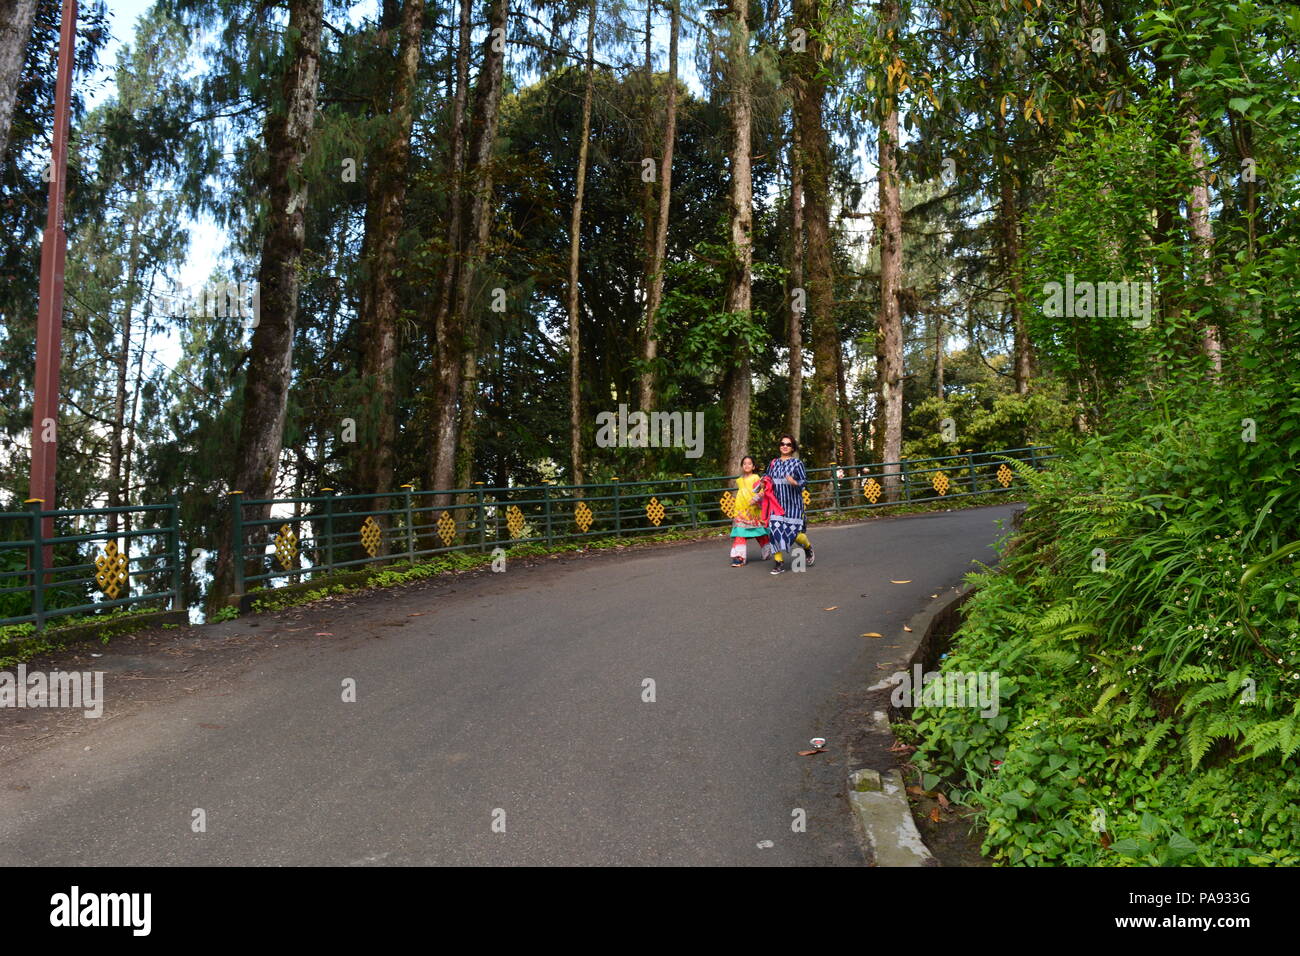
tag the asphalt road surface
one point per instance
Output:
(518, 702)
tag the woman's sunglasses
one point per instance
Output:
(786, 444)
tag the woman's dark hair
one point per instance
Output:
(794, 443)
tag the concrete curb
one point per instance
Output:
(881, 813)
(884, 820)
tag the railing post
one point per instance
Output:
(329, 528)
(1033, 456)
(974, 478)
(907, 485)
(178, 554)
(237, 537)
(835, 487)
(546, 503)
(690, 500)
(482, 519)
(37, 564)
(618, 518)
(410, 526)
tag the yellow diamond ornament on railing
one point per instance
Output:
(514, 520)
(1004, 476)
(582, 516)
(807, 499)
(370, 535)
(286, 547)
(728, 503)
(654, 511)
(940, 482)
(111, 574)
(446, 528)
(871, 490)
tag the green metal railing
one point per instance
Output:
(100, 567)
(339, 532)
(87, 566)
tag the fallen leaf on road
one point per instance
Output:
(908, 629)
(416, 614)
(934, 595)
(908, 581)
(809, 753)
(872, 634)
(916, 790)
(324, 633)
(934, 815)
(765, 844)
(943, 801)
(835, 608)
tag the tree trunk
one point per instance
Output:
(270, 364)
(847, 455)
(740, 113)
(938, 357)
(386, 191)
(1009, 226)
(129, 453)
(650, 344)
(649, 207)
(483, 135)
(809, 93)
(798, 306)
(889, 324)
(1198, 215)
(16, 17)
(575, 235)
(116, 489)
(1246, 139)
(448, 339)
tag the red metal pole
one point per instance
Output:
(49, 322)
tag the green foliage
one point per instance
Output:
(18, 603)
(1146, 619)
(710, 336)
(1006, 421)
(1098, 224)
(1161, 688)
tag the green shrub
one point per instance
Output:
(1146, 627)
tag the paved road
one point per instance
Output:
(520, 692)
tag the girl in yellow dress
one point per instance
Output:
(748, 519)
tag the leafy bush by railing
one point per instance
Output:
(1146, 629)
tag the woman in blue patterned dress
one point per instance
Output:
(788, 481)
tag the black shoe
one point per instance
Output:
(780, 568)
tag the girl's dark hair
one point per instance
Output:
(751, 459)
(794, 443)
